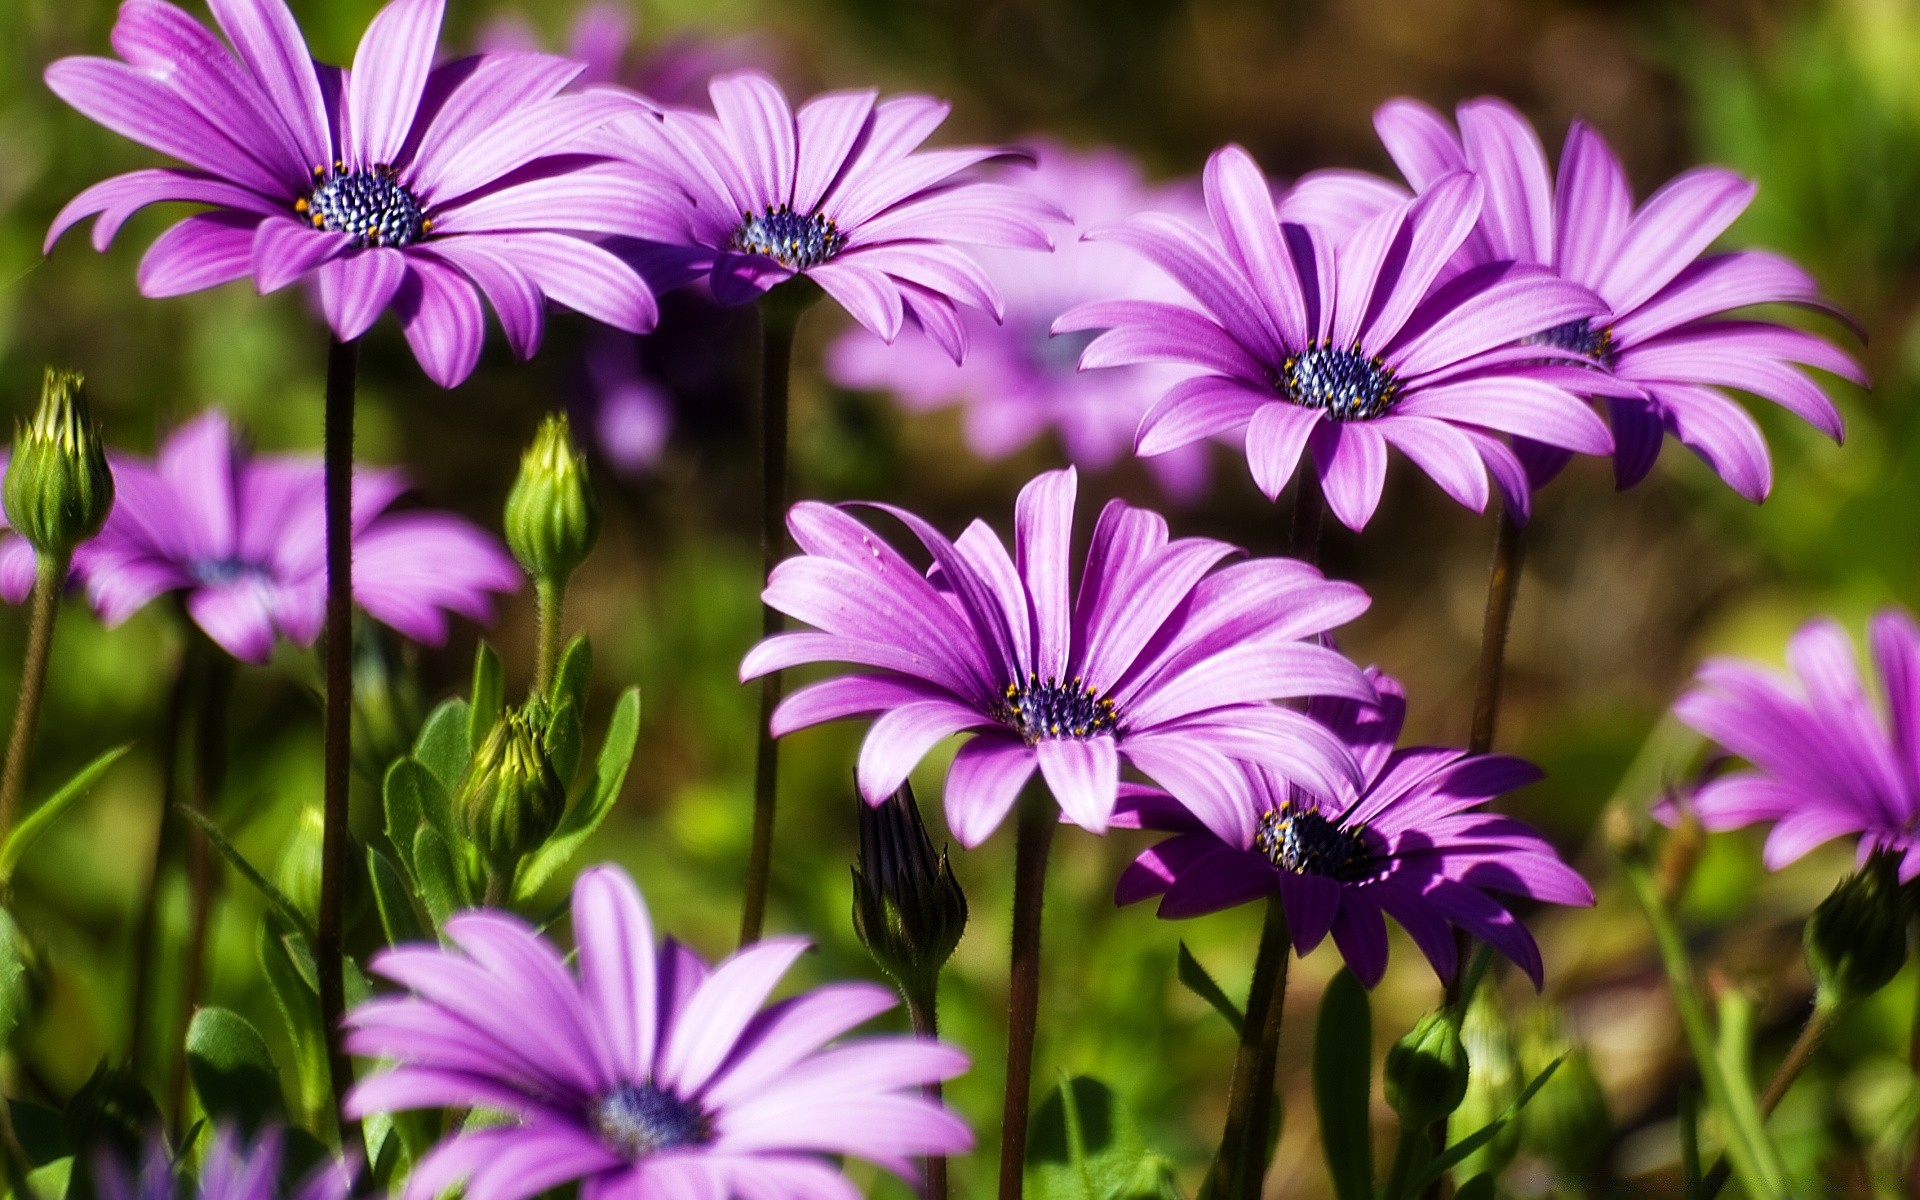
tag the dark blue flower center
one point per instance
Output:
(1581, 338)
(371, 207)
(638, 1119)
(1058, 353)
(1348, 384)
(220, 572)
(787, 237)
(1044, 708)
(1306, 843)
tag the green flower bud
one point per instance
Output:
(1857, 938)
(1427, 1071)
(1566, 1122)
(58, 489)
(1493, 1084)
(511, 798)
(907, 907)
(552, 518)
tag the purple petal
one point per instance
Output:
(1084, 776)
(759, 126)
(440, 314)
(1277, 435)
(901, 738)
(389, 73)
(269, 42)
(1669, 232)
(617, 972)
(1043, 523)
(985, 780)
(1594, 203)
(1352, 460)
(356, 289)
(1194, 410)
(285, 250)
(203, 251)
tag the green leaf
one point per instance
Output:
(1486, 1133)
(1196, 980)
(1084, 1145)
(41, 1132)
(13, 978)
(395, 902)
(563, 739)
(603, 788)
(440, 885)
(576, 670)
(275, 897)
(42, 818)
(1480, 1187)
(299, 1007)
(232, 1071)
(1343, 1083)
(443, 746)
(413, 790)
(489, 694)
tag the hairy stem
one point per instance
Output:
(779, 316)
(343, 360)
(209, 715)
(1240, 1167)
(552, 601)
(1033, 837)
(50, 577)
(923, 1006)
(1819, 1023)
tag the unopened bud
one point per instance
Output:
(1493, 1084)
(1427, 1071)
(552, 518)
(1857, 938)
(907, 907)
(1566, 1122)
(58, 489)
(512, 798)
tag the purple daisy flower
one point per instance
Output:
(231, 1170)
(648, 1074)
(838, 192)
(1669, 334)
(1412, 843)
(242, 538)
(398, 184)
(1161, 659)
(1017, 381)
(1826, 763)
(1344, 347)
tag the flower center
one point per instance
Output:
(1306, 843)
(1042, 708)
(1581, 338)
(638, 1119)
(371, 207)
(787, 237)
(1348, 384)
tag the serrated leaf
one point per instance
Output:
(489, 694)
(42, 818)
(1084, 1145)
(603, 788)
(232, 1070)
(1343, 1085)
(443, 746)
(575, 672)
(1480, 1137)
(1195, 979)
(441, 890)
(393, 899)
(41, 1132)
(300, 1008)
(274, 896)
(562, 740)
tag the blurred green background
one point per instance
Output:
(1621, 598)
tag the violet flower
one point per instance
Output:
(838, 192)
(1018, 381)
(1669, 334)
(1162, 659)
(232, 1169)
(1344, 348)
(673, 70)
(647, 1073)
(1826, 762)
(1413, 843)
(397, 185)
(241, 538)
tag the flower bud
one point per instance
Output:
(907, 907)
(552, 518)
(58, 489)
(1857, 938)
(1566, 1122)
(512, 798)
(1427, 1071)
(1493, 1084)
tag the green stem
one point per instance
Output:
(1752, 1154)
(552, 601)
(209, 717)
(343, 360)
(780, 312)
(50, 578)
(166, 843)
(1037, 819)
(1406, 1158)
(1240, 1166)
(1503, 581)
(1819, 1024)
(923, 1007)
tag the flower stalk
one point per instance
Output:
(1033, 837)
(780, 313)
(50, 579)
(1240, 1166)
